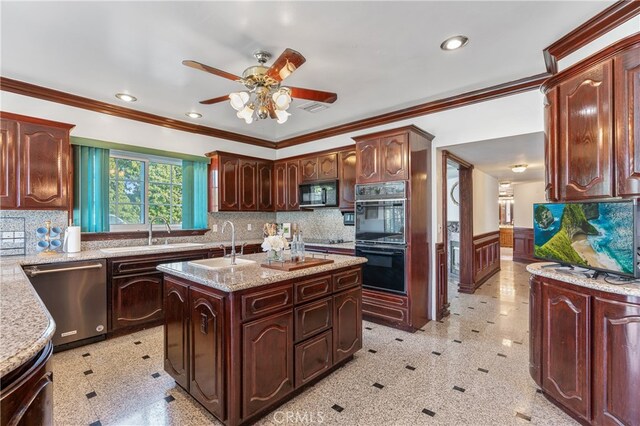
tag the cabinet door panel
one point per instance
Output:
(293, 181)
(347, 176)
(566, 341)
(267, 379)
(535, 330)
(8, 162)
(176, 331)
(309, 169)
(313, 357)
(207, 351)
(347, 324)
(136, 300)
(394, 157)
(229, 183)
(368, 161)
(44, 166)
(586, 139)
(312, 318)
(328, 167)
(248, 187)
(627, 112)
(280, 186)
(551, 145)
(616, 357)
(265, 187)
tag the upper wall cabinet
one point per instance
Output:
(324, 167)
(347, 176)
(35, 157)
(592, 150)
(239, 183)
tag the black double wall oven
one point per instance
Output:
(380, 221)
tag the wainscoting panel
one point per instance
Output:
(442, 307)
(486, 259)
(523, 245)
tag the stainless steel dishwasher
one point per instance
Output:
(75, 293)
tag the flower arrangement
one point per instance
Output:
(273, 243)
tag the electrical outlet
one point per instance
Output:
(248, 227)
(214, 228)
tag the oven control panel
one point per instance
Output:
(381, 191)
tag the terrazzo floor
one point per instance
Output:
(470, 369)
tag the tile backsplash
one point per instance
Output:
(325, 223)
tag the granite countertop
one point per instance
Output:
(253, 275)
(349, 246)
(25, 324)
(628, 289)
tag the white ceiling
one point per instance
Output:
(496, 156)
(378, 56)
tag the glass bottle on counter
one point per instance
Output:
(295, 253)
(300, 246)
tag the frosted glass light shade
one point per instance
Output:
(238, 100)
(282, 99)
(283, 116)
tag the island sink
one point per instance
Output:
(221, 263)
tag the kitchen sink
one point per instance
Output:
(221, 263)
(114, 250)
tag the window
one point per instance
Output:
(142, 189)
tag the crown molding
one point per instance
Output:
(595, 27)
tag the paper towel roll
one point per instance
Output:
(72, 239)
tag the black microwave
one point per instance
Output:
(319, 194)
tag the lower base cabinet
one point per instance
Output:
(136, 300)
(240, 354)
(585, 350)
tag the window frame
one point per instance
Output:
(147, 160)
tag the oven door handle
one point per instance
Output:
(379, 253)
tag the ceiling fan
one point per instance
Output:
(265, 97)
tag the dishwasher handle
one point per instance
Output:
(34, 271)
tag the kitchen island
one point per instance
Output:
(243, 340)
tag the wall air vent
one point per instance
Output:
(313, 107)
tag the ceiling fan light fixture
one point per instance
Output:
(286, 70)
(246, 114)
(519, 168)
(282, 99)
(455, 42)
(282, 115)
(238, 100)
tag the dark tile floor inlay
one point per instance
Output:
(458, 388)
(409, 367)
(86, 373)
(476, 331)
(399, 339)
(337, 408)
(523, 416)
(436, 353)
(455, 313)
(373, 351)
(146, 357)
(484, 370)
(429, 412)
(491, 322)
(470, 307)
(517, 343)
(137, 343)
(86, 355)
(368, 328)
(91, 395)
(169, 398)
(502, 355)
(484, 302)
(458, 341)
(378, 385)
(155, 375)
(96, 423)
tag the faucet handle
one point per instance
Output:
(242, 249)
(224, 250)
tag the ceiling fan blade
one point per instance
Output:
(313, 95)
(286, 64)
(215, 100)
(214, 71)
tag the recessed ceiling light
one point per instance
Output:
(455, 42)
(125, 97)
(519, 168)
(193, 115)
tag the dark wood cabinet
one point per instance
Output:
(229, 176)
(347, 176)
(368, 161)
(314, 168)
(535, 330)
(627, 122)
(265, 187)
(136, 300)
(35, 156)
(566, 343)
(586, 134)
(267, 379)
(551, 145)
(309, 169)
(292, 183)
(616, 357)
(8, 162)
(248, 185)
(206, 351)
(347, 314)
(394, 157)
(176, 331)
(280, 186)
(313, 357)
(26, 393)
(313, 318)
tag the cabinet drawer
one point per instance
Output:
(313, 357)
(312, 289)
(264, 302)
(347, 279)
(136, 265)
(385, 312)
(313, 318)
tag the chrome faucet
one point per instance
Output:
(233, 240)
(166, 223)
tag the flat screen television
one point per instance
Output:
(594, 235)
